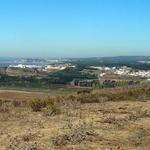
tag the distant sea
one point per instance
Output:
(38, 64)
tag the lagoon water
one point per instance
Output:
(38, 64)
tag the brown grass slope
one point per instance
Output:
(106, 119)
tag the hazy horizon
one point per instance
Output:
(77, 28)
(57, 57)
(36, 57)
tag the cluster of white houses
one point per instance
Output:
(43, 67)
(136, 73)
(124, 70)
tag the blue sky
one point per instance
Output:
(74, 28)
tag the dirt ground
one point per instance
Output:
(122, 125)
(20, 95)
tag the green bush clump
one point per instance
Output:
(51, 110)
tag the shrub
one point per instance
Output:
(51, 109)
(73, 134)
(3, 107)
(1, 102)
(37, 104)
(16, 103)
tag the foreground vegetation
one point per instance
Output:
(114, 118)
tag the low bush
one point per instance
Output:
(37, 104)
(51, 110)
(74, 134)
(1, 102)
(4, 108)
(16, 103)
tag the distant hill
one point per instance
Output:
(116, 59)
(131, 59)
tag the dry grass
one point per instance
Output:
(98, 120)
